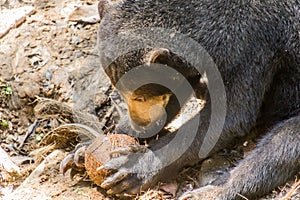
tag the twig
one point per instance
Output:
(295, 187)
(107, 116)
(243, 197)
(119, 110)
(30, 130)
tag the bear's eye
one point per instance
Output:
(140, 99)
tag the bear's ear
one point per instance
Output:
(160, 55)
(103, 6)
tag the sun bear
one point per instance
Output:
(255, 46)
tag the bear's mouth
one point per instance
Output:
(189, 110)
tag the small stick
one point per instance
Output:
(295, 187)
(119, 110)
(30, 130)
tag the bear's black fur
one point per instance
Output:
(256, 46)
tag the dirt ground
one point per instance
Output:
(49, 54)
